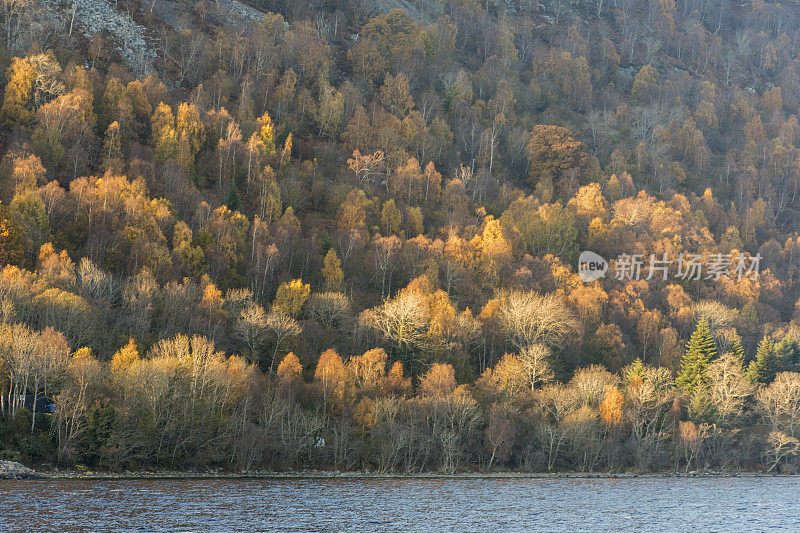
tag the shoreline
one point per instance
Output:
(321, 475)
(14, 470)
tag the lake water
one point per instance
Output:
(441, 505)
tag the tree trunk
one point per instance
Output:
(35, 400)
(72, 19)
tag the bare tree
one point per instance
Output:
(780, 446)
(730, 388)
(251, 328)
(536, 365)
(530, 318)
(780, 403)
(281, 327)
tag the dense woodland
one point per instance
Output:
(341, 236)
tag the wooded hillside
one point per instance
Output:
(331, 234)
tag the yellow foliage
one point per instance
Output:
(439, 381)
(212, 298)
(266, 131)
(124, 359)
(290, 370)
(164, 133)
(611, 406)
(332, 374)
(646, 77)
(589, 203)
(286, 153)
(509, 375)
(394, 383)
(364, 414)
(369, 368)
(332, 271)
(291, 296)
(21, 77)
(189, 132)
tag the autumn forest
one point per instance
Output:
(335, 235)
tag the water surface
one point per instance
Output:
(441, 505)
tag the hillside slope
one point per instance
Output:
(225, 221)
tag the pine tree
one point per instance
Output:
(700, 350)
(234, 200)
(735, 347)
(635, 372)
(788, 353)
(765, 366)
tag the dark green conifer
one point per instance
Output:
(763, 369)
(735, 347)
(700, 350)
(788, 353)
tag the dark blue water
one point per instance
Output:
(441, 505)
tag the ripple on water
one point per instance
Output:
(441, 505)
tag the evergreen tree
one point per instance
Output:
(234, 200)
(635, 372)
(700, 350)
(735, 347)
(788, 354)
(765, 366)
(701, 407)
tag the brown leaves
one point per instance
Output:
(553, 150)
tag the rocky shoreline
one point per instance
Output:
(12, 470)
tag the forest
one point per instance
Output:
(335, 235)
